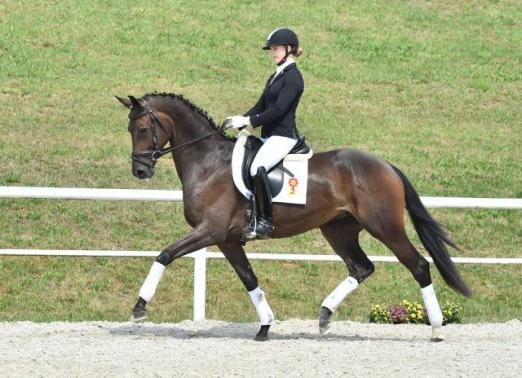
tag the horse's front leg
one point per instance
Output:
(236, 256)
(197, 239)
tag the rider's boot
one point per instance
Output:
(263, 203)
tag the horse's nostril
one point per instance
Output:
(141, 173)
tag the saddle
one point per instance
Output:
(275, 174)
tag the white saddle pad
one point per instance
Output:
(294, 188)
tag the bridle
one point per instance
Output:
(150, 157)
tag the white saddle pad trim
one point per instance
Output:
(293, 191)
(237, 162)
(298, 157)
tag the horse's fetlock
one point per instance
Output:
(164, 258)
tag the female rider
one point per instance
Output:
(275, 113)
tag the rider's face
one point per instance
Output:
(277, 53)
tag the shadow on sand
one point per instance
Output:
(245, 331)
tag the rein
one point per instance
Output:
(150, 157)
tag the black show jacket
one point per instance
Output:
(275, 109)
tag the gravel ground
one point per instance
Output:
(220, 349)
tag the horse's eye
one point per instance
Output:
(143, 131)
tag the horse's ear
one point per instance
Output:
(135, 103)
(125, 101)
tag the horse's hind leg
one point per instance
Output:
(343, 236)
(235, 255)
(381, 212)
(419, 267)
(390, 231)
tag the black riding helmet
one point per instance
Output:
(282, 36)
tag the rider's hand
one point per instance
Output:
(237, 121)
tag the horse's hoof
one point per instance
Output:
(436, 335)
(325, 319)
(138, 315)
(262, 335)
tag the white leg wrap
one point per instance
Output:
(266, 317)
(432, 306)
(151, 282)
(335, 298)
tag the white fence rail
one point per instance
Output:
(176, 195)
(200, 257)
(251, 256)
(200, 263)
(90, 193)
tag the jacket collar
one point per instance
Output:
(288, 62)
(280, 72)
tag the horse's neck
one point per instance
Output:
(202, 158)
(205, 155)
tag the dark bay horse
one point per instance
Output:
(348, 191)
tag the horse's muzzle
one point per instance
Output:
(141, 171)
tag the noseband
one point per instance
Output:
(150, 157)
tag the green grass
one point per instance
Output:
(434, 87)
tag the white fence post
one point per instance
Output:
(200, 284)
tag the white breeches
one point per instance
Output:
(273, 150)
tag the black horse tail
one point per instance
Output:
(433, 237)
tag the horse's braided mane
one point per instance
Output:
(194, 107)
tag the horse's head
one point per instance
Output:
(149, 134)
